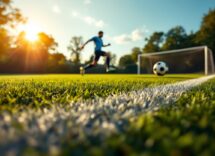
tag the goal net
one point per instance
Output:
(191, 60)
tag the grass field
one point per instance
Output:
(185, 128)
(45, 90)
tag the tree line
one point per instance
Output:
(19, 55)
(175, 38)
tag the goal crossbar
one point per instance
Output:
(173, 51)
(204, 48)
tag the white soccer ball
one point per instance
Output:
(160, 68)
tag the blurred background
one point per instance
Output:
(44, 37)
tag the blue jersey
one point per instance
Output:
(98, 43)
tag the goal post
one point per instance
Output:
(206, 60)
(188, 60)
(211, 60)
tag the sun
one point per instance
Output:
(31, 31)
(31, 36)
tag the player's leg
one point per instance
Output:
(94, 63)
(108, 59)
(83, 69)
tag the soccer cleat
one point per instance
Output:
(110, 69)
(82, 70)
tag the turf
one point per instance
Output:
(187, 128)
(37, 91)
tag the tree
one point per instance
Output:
(135, 52)
(74, 47)
(206, 34)
(56, 63)
(113, 59)
(175, 38)
(154, 42)
(9, 15)
(57, 58)
(4, 45)
(125, 61)
(33, 56)
(47, 42)
(90, 60)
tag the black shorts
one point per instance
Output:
(98, 54)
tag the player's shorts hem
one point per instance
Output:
(98, 54)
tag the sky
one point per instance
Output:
(126, 23)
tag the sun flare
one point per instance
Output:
(31, 36)
(31, 30)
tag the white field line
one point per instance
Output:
(99, 117)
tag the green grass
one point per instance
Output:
(37, 91)
(188, 128)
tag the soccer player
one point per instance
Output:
(98, 52)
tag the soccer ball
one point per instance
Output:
(160, 68)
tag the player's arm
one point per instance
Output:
(107, 45)
(90, 40)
